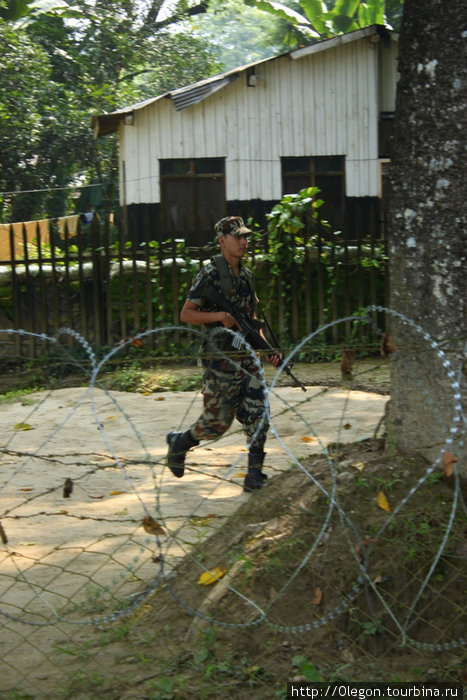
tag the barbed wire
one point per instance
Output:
(125, 576)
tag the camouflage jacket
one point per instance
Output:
(241, 296)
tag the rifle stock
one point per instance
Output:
(248, 329)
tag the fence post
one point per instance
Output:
(67, 287)
(15, 292)
(42, 307)
(29, 319)
(53, 277)
(98, 280)
(307, 281)
(84, 318)
(148, 276)
(107, 316)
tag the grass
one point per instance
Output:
(12, 396)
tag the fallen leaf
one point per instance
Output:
(347, 426)
(67, 488)
(110, 417)
(361, 545)
(116, 493)
(23, 426)
(306, 438)
(240, 474)
(27, 488)
(152, 526)
(3, 536)
(26, 544)
(358, 465)
(383, 502)
(209, 577)
(448, 460)
(318, 596)
(252, 669)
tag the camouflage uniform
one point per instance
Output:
(232, 385)
(232, 382)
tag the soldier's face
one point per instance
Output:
(236, 246)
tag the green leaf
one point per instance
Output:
(277, 9)
(346, 8)
(371, 13)
(316, 11)
(310, 672)
(344, 24)
(14, 10)
(284, 12)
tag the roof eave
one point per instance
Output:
(183, 97)
(372, 30)
(196, 92)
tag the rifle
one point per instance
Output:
(248, 330)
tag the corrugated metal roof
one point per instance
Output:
(182, 97)
(185, 97)
(192, 94)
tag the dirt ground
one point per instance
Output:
(105, 548)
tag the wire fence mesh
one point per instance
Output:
(93, 525)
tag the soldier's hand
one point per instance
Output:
(228, 321)
(275, 360)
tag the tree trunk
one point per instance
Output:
(428, 220)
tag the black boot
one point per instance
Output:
(179, 444)
(255, 478)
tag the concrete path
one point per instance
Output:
(73, 557)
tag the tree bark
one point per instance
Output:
(428, 219)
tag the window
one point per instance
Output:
(325, 172)
(192, 197)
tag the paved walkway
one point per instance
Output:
(77, 557)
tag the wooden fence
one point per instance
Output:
(107, 288)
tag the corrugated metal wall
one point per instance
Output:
(321, 104)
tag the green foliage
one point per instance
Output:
(296, 235)
(295, 221)
(237, 34)
(319, 20)
(305, 259)
(307, 669)
(26, 11)
(56, 73)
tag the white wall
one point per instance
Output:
(321, 104)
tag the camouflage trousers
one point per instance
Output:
(233, 390)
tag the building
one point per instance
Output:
(235, 143)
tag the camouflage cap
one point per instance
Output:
(231, 224)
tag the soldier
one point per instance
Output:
(232, 385)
